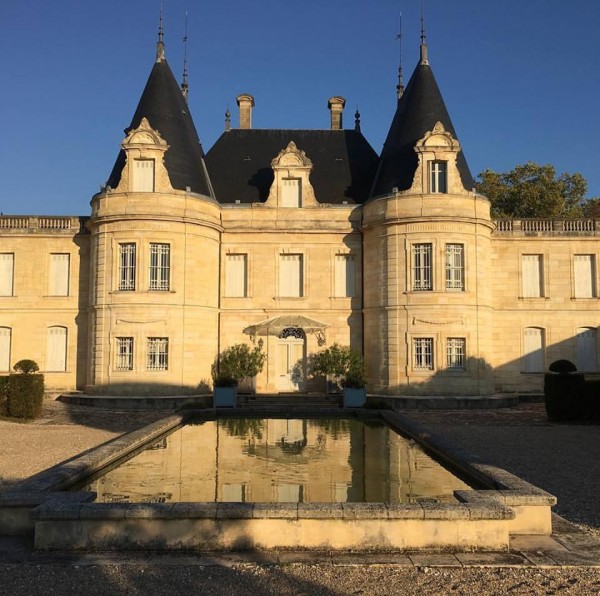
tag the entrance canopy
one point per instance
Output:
(275, 325)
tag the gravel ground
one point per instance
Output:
(562, 459)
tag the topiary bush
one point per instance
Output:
(25, 391)
(4, 396)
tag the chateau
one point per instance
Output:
(293, 240)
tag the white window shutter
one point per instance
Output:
(59, 274)
(584, 276)
(56, 349)
(7, 261)
(143, 175)
(533, 350)
(586, 351)
(291, 192)
(345, 276)
(532, 276)
(236, 276)
(5, 334)
(290, 276)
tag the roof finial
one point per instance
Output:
(424, 56)
(227, 120)
(160, 46)
(184, 83)
(400, 86)
(357, 120)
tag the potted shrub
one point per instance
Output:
(231, 366)
(346, 367)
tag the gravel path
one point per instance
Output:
(562, 459)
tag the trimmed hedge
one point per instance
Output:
(25, 395)
(4, 396)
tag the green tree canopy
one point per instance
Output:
(533, 190)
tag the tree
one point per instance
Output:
(533, 190)
(591, 208)
(236, 363)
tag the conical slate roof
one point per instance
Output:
(419, 108)
(165, 108)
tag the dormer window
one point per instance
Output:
(438, 177)
(143, 175)
(291, 192)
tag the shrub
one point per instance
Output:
(26, 367)
(236, 363)
(3, 396)
(25, 395)
(341, 362)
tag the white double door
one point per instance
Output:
(291, 364)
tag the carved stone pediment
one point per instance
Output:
(291, 156)
(144, 134)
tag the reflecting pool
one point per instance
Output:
(277, 461)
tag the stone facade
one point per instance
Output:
(140, 297)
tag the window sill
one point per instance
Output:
(585, 298)
(289, 297)
(534, 298)
(57, 296)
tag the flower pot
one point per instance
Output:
(225, 397)
(355, 397)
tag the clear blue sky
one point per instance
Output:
(520, 79)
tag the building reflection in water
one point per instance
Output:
(279, 460)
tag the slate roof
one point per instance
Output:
(163, 104)
(419, 108)
(344, 163)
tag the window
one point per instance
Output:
(143, 175)
(124, 353)
(291, 276)
(5, 335)
(532, 273)
(345, 276)
(56, 349)
(7, 262)
(438, 177)
(236, 276)
(455, 267)
(423, 353)
(59, 274)
(127, 267)
(533, 350)
(158, 353)
(160, 258)
(455, 353)
(584, 274)
(291, 195)
(233, 493)
(422, 280)
(585, 351)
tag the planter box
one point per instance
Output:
(225, 397)
(355, 398)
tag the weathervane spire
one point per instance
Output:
(424, 53)
(184, 83)
(400, 86)
(160, 46)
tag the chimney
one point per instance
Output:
(246, 103)
(336, 107)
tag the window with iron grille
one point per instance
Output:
(160, 266)
(157, 351)
(455, 267)
(423, 353)
(455, 353)
(422, 280)
(438, 177)
(124, 353)
(127, 266)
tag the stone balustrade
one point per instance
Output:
(43, 223)
(547, 227)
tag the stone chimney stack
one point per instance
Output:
(336, 107)
(246, 103)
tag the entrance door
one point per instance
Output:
(291, 360)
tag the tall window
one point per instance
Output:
(160, 268)
(59, 274)
(423, 353)
(7, 266)
(56, 349)
(157, 351)
(438, 177)
(143, 175)
(291, 275)
(345, 276)
(127, 266)
(533, 350)
(422, 280)
(291, 195)
(585, 276)
(586, 350)
(533, 278)
(455, 267)
(124, 353)
(455, 353)
(236, 276)
(5, 335)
